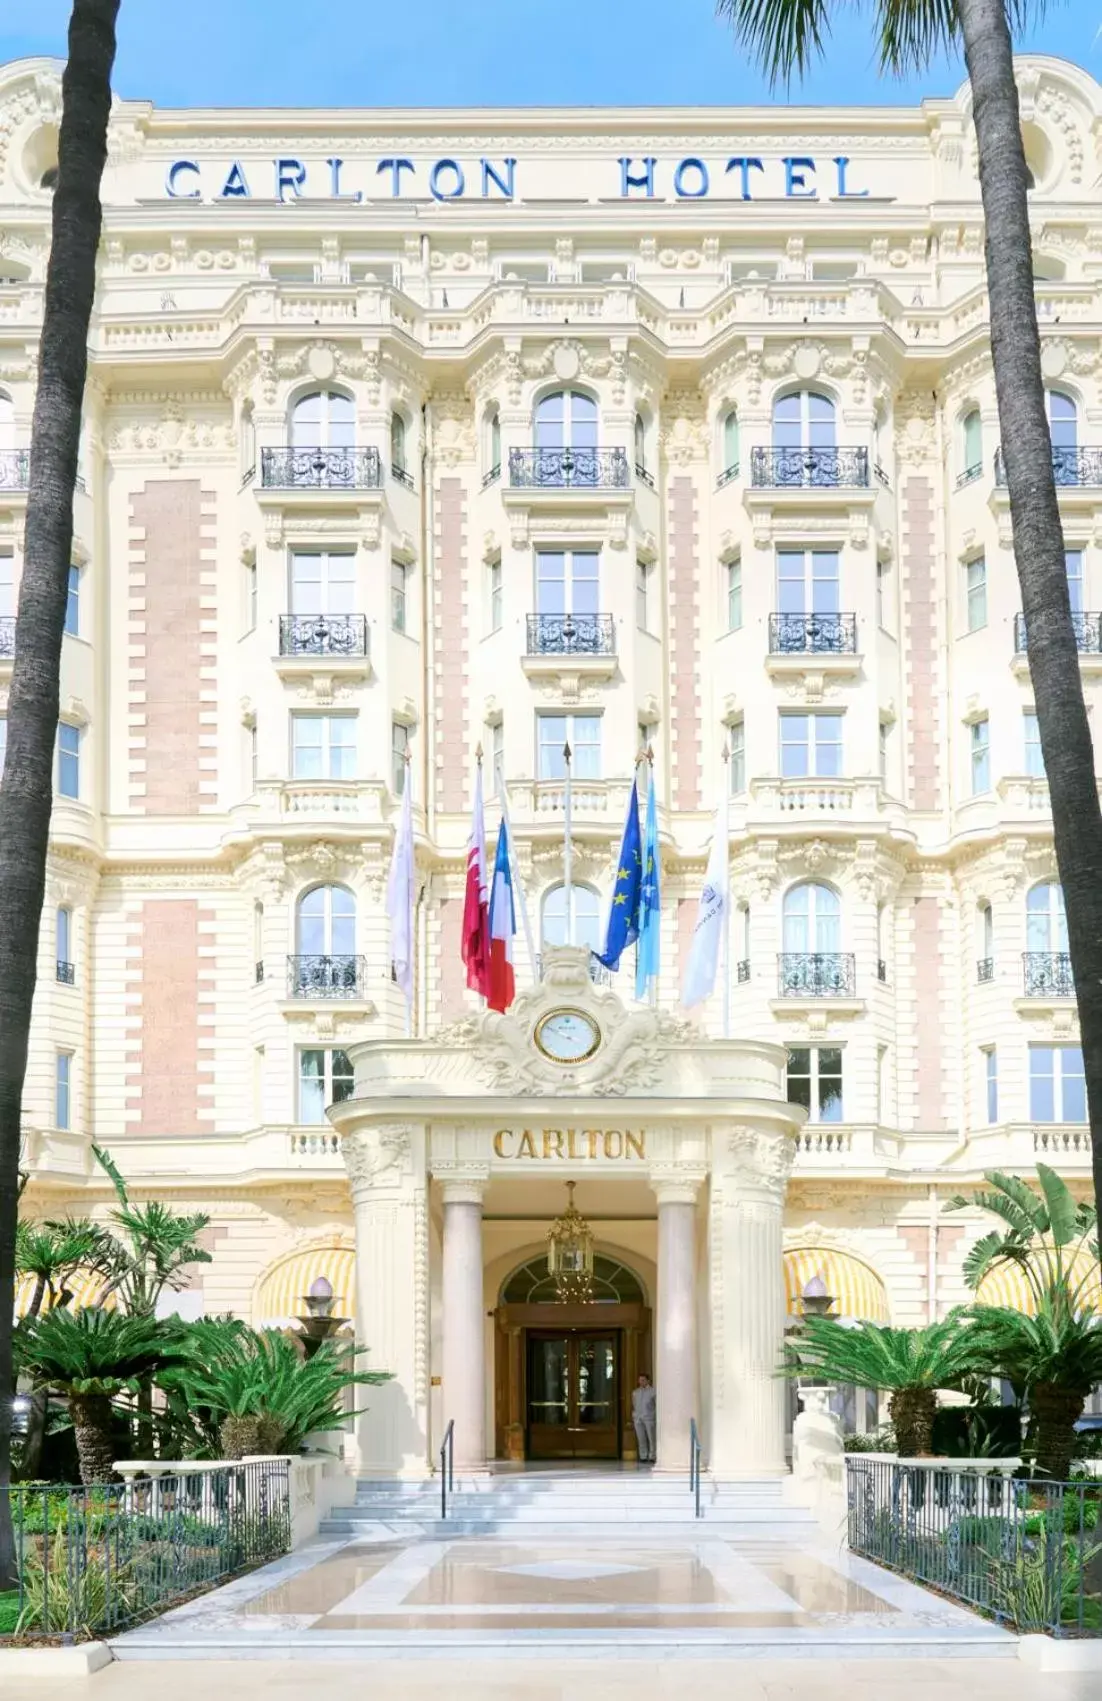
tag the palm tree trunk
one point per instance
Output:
(912, 1411)
(1035, 516)
(1055, 1411)
(26, 792)
(91, 1415)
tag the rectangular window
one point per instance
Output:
(1073, 561)
(975, 590)
(815, 1081)
(1057, 1090)
(642, 595)
(811, 746)
(980, 752)
(63, 1083)
(64, 945)
(807, 581)
(883, 612)
(72, 602)
(323, 747)
(734, 596)
(991, 1082)
(885, 732)
(582, 732)
(736, 745)
(1031, 740)
(567, 581)
(325, 1077)
(7, 586)
(496, 596)
(68, 760)
(399, 753)
(323, 582)
(496, 738)
(251, 594)
(399, 574)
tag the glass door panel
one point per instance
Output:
(573, 1395)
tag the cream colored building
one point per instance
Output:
(414, 431)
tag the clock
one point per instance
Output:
(567, 1036)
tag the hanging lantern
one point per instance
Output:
(570, 1254)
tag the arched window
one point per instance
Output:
(493, 445)
(7, 422)
(812, 920)
(803, 420)
(740, 940)
(729, 448)
(1046, 926)
(323, 419)
(613, 1284)
(325, 964)
(1063, 425)
(248, 441)
(587, 917)
(985, 942)
(640, 444)
(258, 939)
(971, 431)
(397, 444)
(566, 419)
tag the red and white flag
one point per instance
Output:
(476, 904)
(503, 927)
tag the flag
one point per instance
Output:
(711, 919)
(476, 904)
(623, 913)
(501, 981)
(399, 896)
(650, 902)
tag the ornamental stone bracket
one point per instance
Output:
(378, 1156)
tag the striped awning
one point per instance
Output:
(856, 1288)
(1006, 1285)
(86, 1289)
(281, 1296)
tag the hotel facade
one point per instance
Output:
(412, 432)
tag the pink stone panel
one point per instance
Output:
(453, 740)
(451, 970)
(929, 973)
(685, 739)
(920, 645)
(174, 1053)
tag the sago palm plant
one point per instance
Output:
(1055, 1358)
(909, 1364)
(53, 1253)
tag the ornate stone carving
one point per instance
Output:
(380, 1156)
(761, 1160)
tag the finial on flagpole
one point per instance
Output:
(650, 755)
(478, 753)
(567, 752)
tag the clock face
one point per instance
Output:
(567, 1036)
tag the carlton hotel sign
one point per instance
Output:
(735, 178)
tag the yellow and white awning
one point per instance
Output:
(281, 1295)
(856, 1288)
(1006, 1285)
(86, 1288)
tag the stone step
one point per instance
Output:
(716, 1524)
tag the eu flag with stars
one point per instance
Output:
(650, 904)
(623, 915)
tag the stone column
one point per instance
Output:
(675, 1377)
(390, 1212)
(748, 1307)
(464, 1327)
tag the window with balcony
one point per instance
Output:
(493, 448)
(325, 1077)
(979, 752)
(399, 578)
(1031, 745)
(7, 603)
(63, 1089)
(804, 452)
(586, 905)
(811, 746)
(734, 596)
(1086, 625)
(1047, 963)
(399, 756)
(975, 593)
(729, 447)
(815, 1081)
(323, 598)
(1073, 562)
(72, 602)
(399, 468)
(971, 447)
(568, 620)
(1057, 1089)
(68, 760)
(495, 591)
(640, 448)
(325, 964)
(807, 617)
(258, 941)
(323, 747)
(991, 1082)
(65, 946)
(14, 463)
(740, 940)
(736, 753)
(985, 944)
(1072, 464)
(322, 452)
(812, 963)
(554, 732)
(566, 453)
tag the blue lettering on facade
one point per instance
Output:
(744, 165)
(335, 191)
(290, 174)
(630, 180)
(845, 194)
(459, 182)
(490, 174)
(236, 184)
(680, 189)
(396, 168)
(173, 179)
(796, 186)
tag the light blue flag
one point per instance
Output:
(647, 953)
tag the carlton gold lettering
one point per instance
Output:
(574, 1145)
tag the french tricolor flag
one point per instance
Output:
(503, 927)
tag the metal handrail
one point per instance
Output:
(694, 1466)
(447, 1467)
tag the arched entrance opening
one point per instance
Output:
(564, 1372)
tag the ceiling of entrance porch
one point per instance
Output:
(541, 1197)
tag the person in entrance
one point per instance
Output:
(643, 1417)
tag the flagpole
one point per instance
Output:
(412, 886)
(518, 888)
(568, 847)
(650, 788)
(726, 814)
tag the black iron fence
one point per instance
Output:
(809, 468)
(1070, 466)
(320, 469)
(323, 635)
(815, 974)
(1047, 974)
(570, 635)
(1087, 629)
(574, 469)
(1027, 1553)
(817, 634)
(91, 1561)
(333, 976)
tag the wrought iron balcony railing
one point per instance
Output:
(260, 971)
(7, 635)
(571, 635)
(819, 634)
(727, 476)
(985, 970)
(401, 476)
(809, 468)
(644, 476)
(1087, 628)
(742, 971)
(1070, 467)
(325, 977)
(15, 468)
(969, 475)
(323, 635)
(568, 469)
(66, 972)
(882, 971)
(816, 974)
(492, 476)
(320, 469)
(1047, 974)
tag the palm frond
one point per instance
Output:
(912, 32)
(1061, 1205)
(785, 36)
(111, 1170)
(874, 1355)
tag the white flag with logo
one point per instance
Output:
(700, 977)
(399, 895)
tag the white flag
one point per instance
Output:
(399, 895)
(700, 977)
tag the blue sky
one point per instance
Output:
(487, 52)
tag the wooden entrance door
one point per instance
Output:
(573, 1401)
